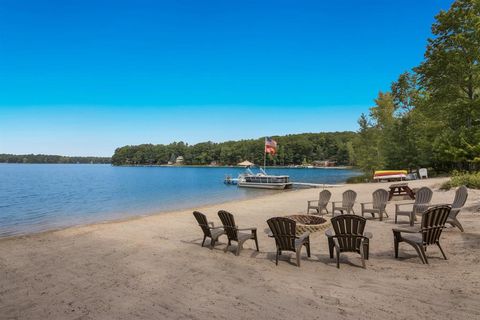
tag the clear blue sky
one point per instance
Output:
(84, 77)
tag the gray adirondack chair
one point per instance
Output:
(234, 233)
(431, 227)
(283, 230)
(348, 200)
(208, 228)
(378, 204)
(320, 204)
(349, 236)
(461, 196)
(423, 196)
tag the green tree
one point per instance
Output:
(450, 74)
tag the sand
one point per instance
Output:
(154, 268)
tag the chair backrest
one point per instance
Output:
(283, 230)
(461, 196)
(324, 197)
(228, 224)
(202, 222)
(348, 198)
(349, 231)
(433, 223)
(380, 199)
(423, 195)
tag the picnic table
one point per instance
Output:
(400, 189)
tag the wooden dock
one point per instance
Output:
(316, 185)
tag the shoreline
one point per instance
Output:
(191, 209)
(189, 165)
(146, 215)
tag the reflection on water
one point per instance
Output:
(41, 197)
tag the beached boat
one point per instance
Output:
(262, 180)
(390, 175)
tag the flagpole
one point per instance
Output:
(264, 154)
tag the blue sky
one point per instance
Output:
(84, 77)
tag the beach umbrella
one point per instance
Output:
(245, 163)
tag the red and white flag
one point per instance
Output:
(270, 146)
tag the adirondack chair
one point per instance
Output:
(348, 200)
(234, 233)
(461, 196)
(320, 204)
(422, 172)
(349, 236)
(208, 228)
(283, 230)
(379, 203)
(431, 227)
(423, 197)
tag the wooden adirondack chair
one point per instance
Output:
(208, 228)
(461, 196)
(423, 197)
(283, 230)
(349, 236)
(431, 227)
(348, 200)
(379, 203)
(320, 204)
(234, 233)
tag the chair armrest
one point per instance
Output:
(329, 233)
(310, 201)
(404, 204)
(213, 228)
(245, 229)
(362, 203)
(368, 235)
(304, 236)
(411, 230)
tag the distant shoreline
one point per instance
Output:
(186, 165)
(210, 166)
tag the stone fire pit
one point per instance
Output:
(309, 222)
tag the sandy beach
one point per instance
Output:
(154, 268)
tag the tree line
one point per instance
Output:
(43, 158)
(295, 149)
(431, 115)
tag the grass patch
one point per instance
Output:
(360, 179)
(469, 179)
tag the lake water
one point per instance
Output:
(37, 197)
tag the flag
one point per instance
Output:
(270, 146)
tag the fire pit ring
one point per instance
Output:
(309, 222)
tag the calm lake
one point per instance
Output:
(39, 197)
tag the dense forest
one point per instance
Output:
(431, 115)
(293, 149)
(43, 158)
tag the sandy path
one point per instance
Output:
(154, 268)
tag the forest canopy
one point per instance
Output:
(43, 158)
(295, 149)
